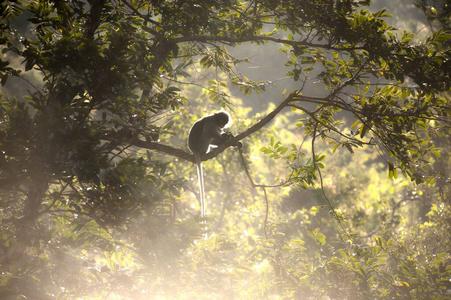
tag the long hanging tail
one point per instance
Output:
(200, 177)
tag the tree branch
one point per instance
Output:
(164, 149)
(93, 21)
(231, 142)
(228, 39)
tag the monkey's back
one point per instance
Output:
(196, 143)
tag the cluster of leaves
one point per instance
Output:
(69, 178)
(436, 12)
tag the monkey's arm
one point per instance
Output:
(217, 137)
(228, 135)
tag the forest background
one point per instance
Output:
(342, 187)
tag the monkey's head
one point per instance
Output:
(222, 118)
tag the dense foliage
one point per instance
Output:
(345, 196)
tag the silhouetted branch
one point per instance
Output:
(164, 149)
(235, 40)
(231, 142)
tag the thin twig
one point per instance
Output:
(263, 187)
(265, 224)
(322, 187)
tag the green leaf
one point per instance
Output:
(363, 130)
(348, 147)
(391, 170)
(4, 79)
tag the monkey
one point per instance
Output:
(205, 132)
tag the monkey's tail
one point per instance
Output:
(200, 177)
